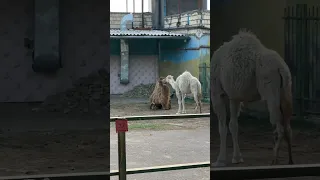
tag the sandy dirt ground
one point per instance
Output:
(255, 141)
(162, 142)
(50, 143)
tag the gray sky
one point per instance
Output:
(120, 5)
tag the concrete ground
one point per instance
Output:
(166, 147)
(161, 142)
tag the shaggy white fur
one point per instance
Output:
(186, 84)
(244, 70)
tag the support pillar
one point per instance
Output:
(124, 64)
(46, 36)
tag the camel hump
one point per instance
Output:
(186, 73)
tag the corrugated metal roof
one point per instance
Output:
(117, 32)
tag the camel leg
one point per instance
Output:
(195, 98)
(183, 104)
(270, 90)
(286, 110)
(219, 106)
(198, 102)
(273, 102)
(179, 102)
(288, 139)
(233, 126)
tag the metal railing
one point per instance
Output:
(122, 172)
(105, 175)
(264, 172)
(237, 173)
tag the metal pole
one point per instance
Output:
(121, 128)
(126, 5)
(133, 6)
(122, 155)
(142, 14)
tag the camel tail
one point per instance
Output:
(199, 91)
(286, 104)
(286, 108)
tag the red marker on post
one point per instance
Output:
(121, 129)
(121, 125)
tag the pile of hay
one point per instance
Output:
(88, 94)
(140, 91)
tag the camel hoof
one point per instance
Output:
(219, 164)
(237, 160)
(275, 162)
(178, 113)
(184, 112)
(291, 162)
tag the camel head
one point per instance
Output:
(168, 79)
(162, 81)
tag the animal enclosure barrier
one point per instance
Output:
(264, 172)
(122, 164)
(302, 26)
(105, 175)
(204, 78)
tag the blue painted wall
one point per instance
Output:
(176, 57)
(192, 55)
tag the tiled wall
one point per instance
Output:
(196, 18)
(142, 70)
(174, 6)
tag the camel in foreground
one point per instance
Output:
(186, 84)
(243, 70)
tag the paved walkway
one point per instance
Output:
(155, 148)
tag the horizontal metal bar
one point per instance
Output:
(302, 18)
(105, 175)
(307, 99)
(186, 27)
(263, 172)
(188, 49)
(153, 117)
(204, 66)
(163, 168)
(311, 112)
(150, 37)
(67, 176)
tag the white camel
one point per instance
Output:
(244, 70)
(186, 84)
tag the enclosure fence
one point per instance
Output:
(204, 78)
(264, 172)
(105, 175)
(237, 173)
(301, 27)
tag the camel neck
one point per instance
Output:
(173, 84)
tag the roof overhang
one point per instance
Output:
(146, 34)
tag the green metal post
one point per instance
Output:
(122, 156)
(204, 88)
